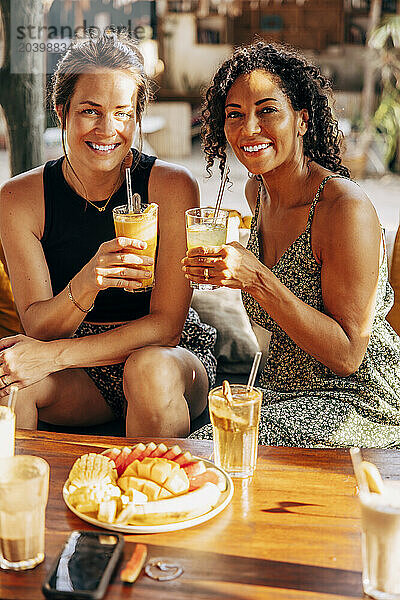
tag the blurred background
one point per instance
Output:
(356, 43)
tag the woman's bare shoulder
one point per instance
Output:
(165, 171)
(21, 200)
(344, 198)
(173, 183)
(25, 186)
(344, 213)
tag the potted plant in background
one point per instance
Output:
(358, 143)
(385, 39)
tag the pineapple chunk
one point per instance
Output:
(107, 511)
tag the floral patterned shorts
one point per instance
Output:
(197, 337)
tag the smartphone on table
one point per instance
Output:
(84, 566)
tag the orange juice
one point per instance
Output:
(139, 226)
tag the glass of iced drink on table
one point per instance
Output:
(235, 423)
(24, 485)
(202, 229)
(380, 514)
(7, 431)
(141, 226)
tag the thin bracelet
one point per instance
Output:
(70, 296)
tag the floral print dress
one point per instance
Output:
(305, 403)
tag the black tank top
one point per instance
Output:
(74, 230)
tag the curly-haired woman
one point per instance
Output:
(315, 269)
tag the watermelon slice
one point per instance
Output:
(148, 450)
(112, 453)
(172, 453)
(121, 460)
(194, 468)
(136, 454)
(211, 475)
(142, 452)
(160, 450)
(184, 458)
(137, 451)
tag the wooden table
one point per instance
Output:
(294, 533)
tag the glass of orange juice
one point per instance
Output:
(141, 226)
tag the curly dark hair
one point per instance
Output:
(300, 81)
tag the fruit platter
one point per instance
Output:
(146, 488)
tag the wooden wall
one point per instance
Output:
(316, 24)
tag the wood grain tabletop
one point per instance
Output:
(293, 532)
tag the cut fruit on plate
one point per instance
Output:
(157, 495)
(165, 473)
(92, 469)
(210, 475)
(177, 507)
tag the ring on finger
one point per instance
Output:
(206, 274)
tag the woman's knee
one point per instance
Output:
(152, 365)
(154, 389)
(154, 374)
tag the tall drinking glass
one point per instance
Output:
(380, 520)
(202, 231)
(7, 431)
(24, 486)
(139, 226)
(235, 429)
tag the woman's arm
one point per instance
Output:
(21, 228)
(346, 240)
(175, 191)
(43, 315)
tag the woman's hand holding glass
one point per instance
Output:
(230, 265)
(115, 264)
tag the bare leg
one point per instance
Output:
(65, 398)
(163, 386)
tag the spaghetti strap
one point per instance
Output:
(257, 209)
(317, 196)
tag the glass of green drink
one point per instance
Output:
(203, 229)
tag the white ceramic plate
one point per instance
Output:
(222, 503)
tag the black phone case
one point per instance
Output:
(99, 592)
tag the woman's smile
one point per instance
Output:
(255, 149)
(99, 148)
